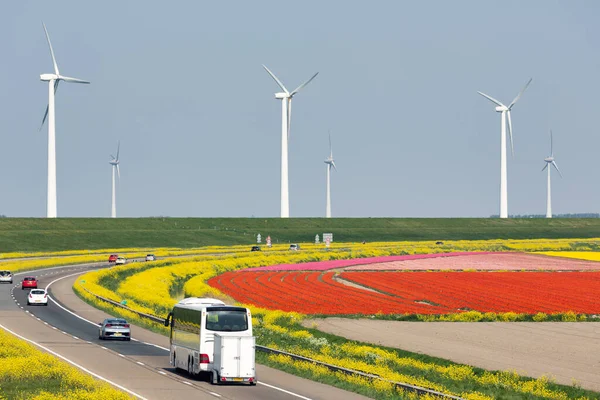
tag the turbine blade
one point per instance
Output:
(520, 93)
(73, 80)
(289, 116)
(304, 84)
(113, 157)
(333, 165)
(118, 172)
(118, 148)
(551, 147)
(47, 106)
(276, 80)
(330, 148)
(493, 100)
(512, 148)
(51, 51)
(556, 166)
(545, 166)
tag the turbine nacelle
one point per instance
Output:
(502, 108)
(282, 95)
(549, 159)
(48, 77)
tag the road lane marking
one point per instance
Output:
(103, 348)
(140, 363)
(162, 372)
(120, 355)
(284, 391)
(75, 364)
(187, 383)
(215, 394)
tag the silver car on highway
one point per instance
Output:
(114, 328)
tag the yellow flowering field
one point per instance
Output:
(26, 372)
(580, 255)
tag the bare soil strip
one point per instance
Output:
(567, 351)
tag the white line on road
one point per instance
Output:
(284, 391)
(162, 372)
(187, 383)
(74, 364)
(140, 363)
(215, 394)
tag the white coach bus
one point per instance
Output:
(196, 323)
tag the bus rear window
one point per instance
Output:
(227, 321)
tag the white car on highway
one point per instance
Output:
(6, 276)
(150, 257)
(121, 261)
(37, 296)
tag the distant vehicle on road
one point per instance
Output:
(294, 247)
(114, 328)
(112, 258)
(6, 277)
(37, 296)
(198, 326)
(121, 261)
(150, 257)
(255, 248)
(29, 282)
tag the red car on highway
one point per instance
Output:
(29, 282)
(112, 258)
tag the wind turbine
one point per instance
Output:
(53, 81)
(505, 112)
(286, 117)
(330, 163)
(550, 161)
(115, 167)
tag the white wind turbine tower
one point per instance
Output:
(286, 117)
(505, 112)
(330, 163)
(550, 160)
(115, 168)
(53, 80)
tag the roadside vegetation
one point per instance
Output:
(41, 234)
(148, 288)
(28, 373)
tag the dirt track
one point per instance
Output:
(566, 351)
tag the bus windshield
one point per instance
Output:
(227, 320)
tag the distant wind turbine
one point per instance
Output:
(505, 112)
(550, 161)
(330, 163)
(115, 168)
(286, 117)
(53, 80)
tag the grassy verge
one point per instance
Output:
(37, 234)
(26, 372)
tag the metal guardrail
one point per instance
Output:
(331, 367)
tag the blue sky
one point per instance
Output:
(182, 87)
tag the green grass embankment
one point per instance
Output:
(37, 234)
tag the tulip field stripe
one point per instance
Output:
(334, 264)
(317, 292)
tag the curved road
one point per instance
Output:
(67, 327)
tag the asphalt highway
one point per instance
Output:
(68, 328)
